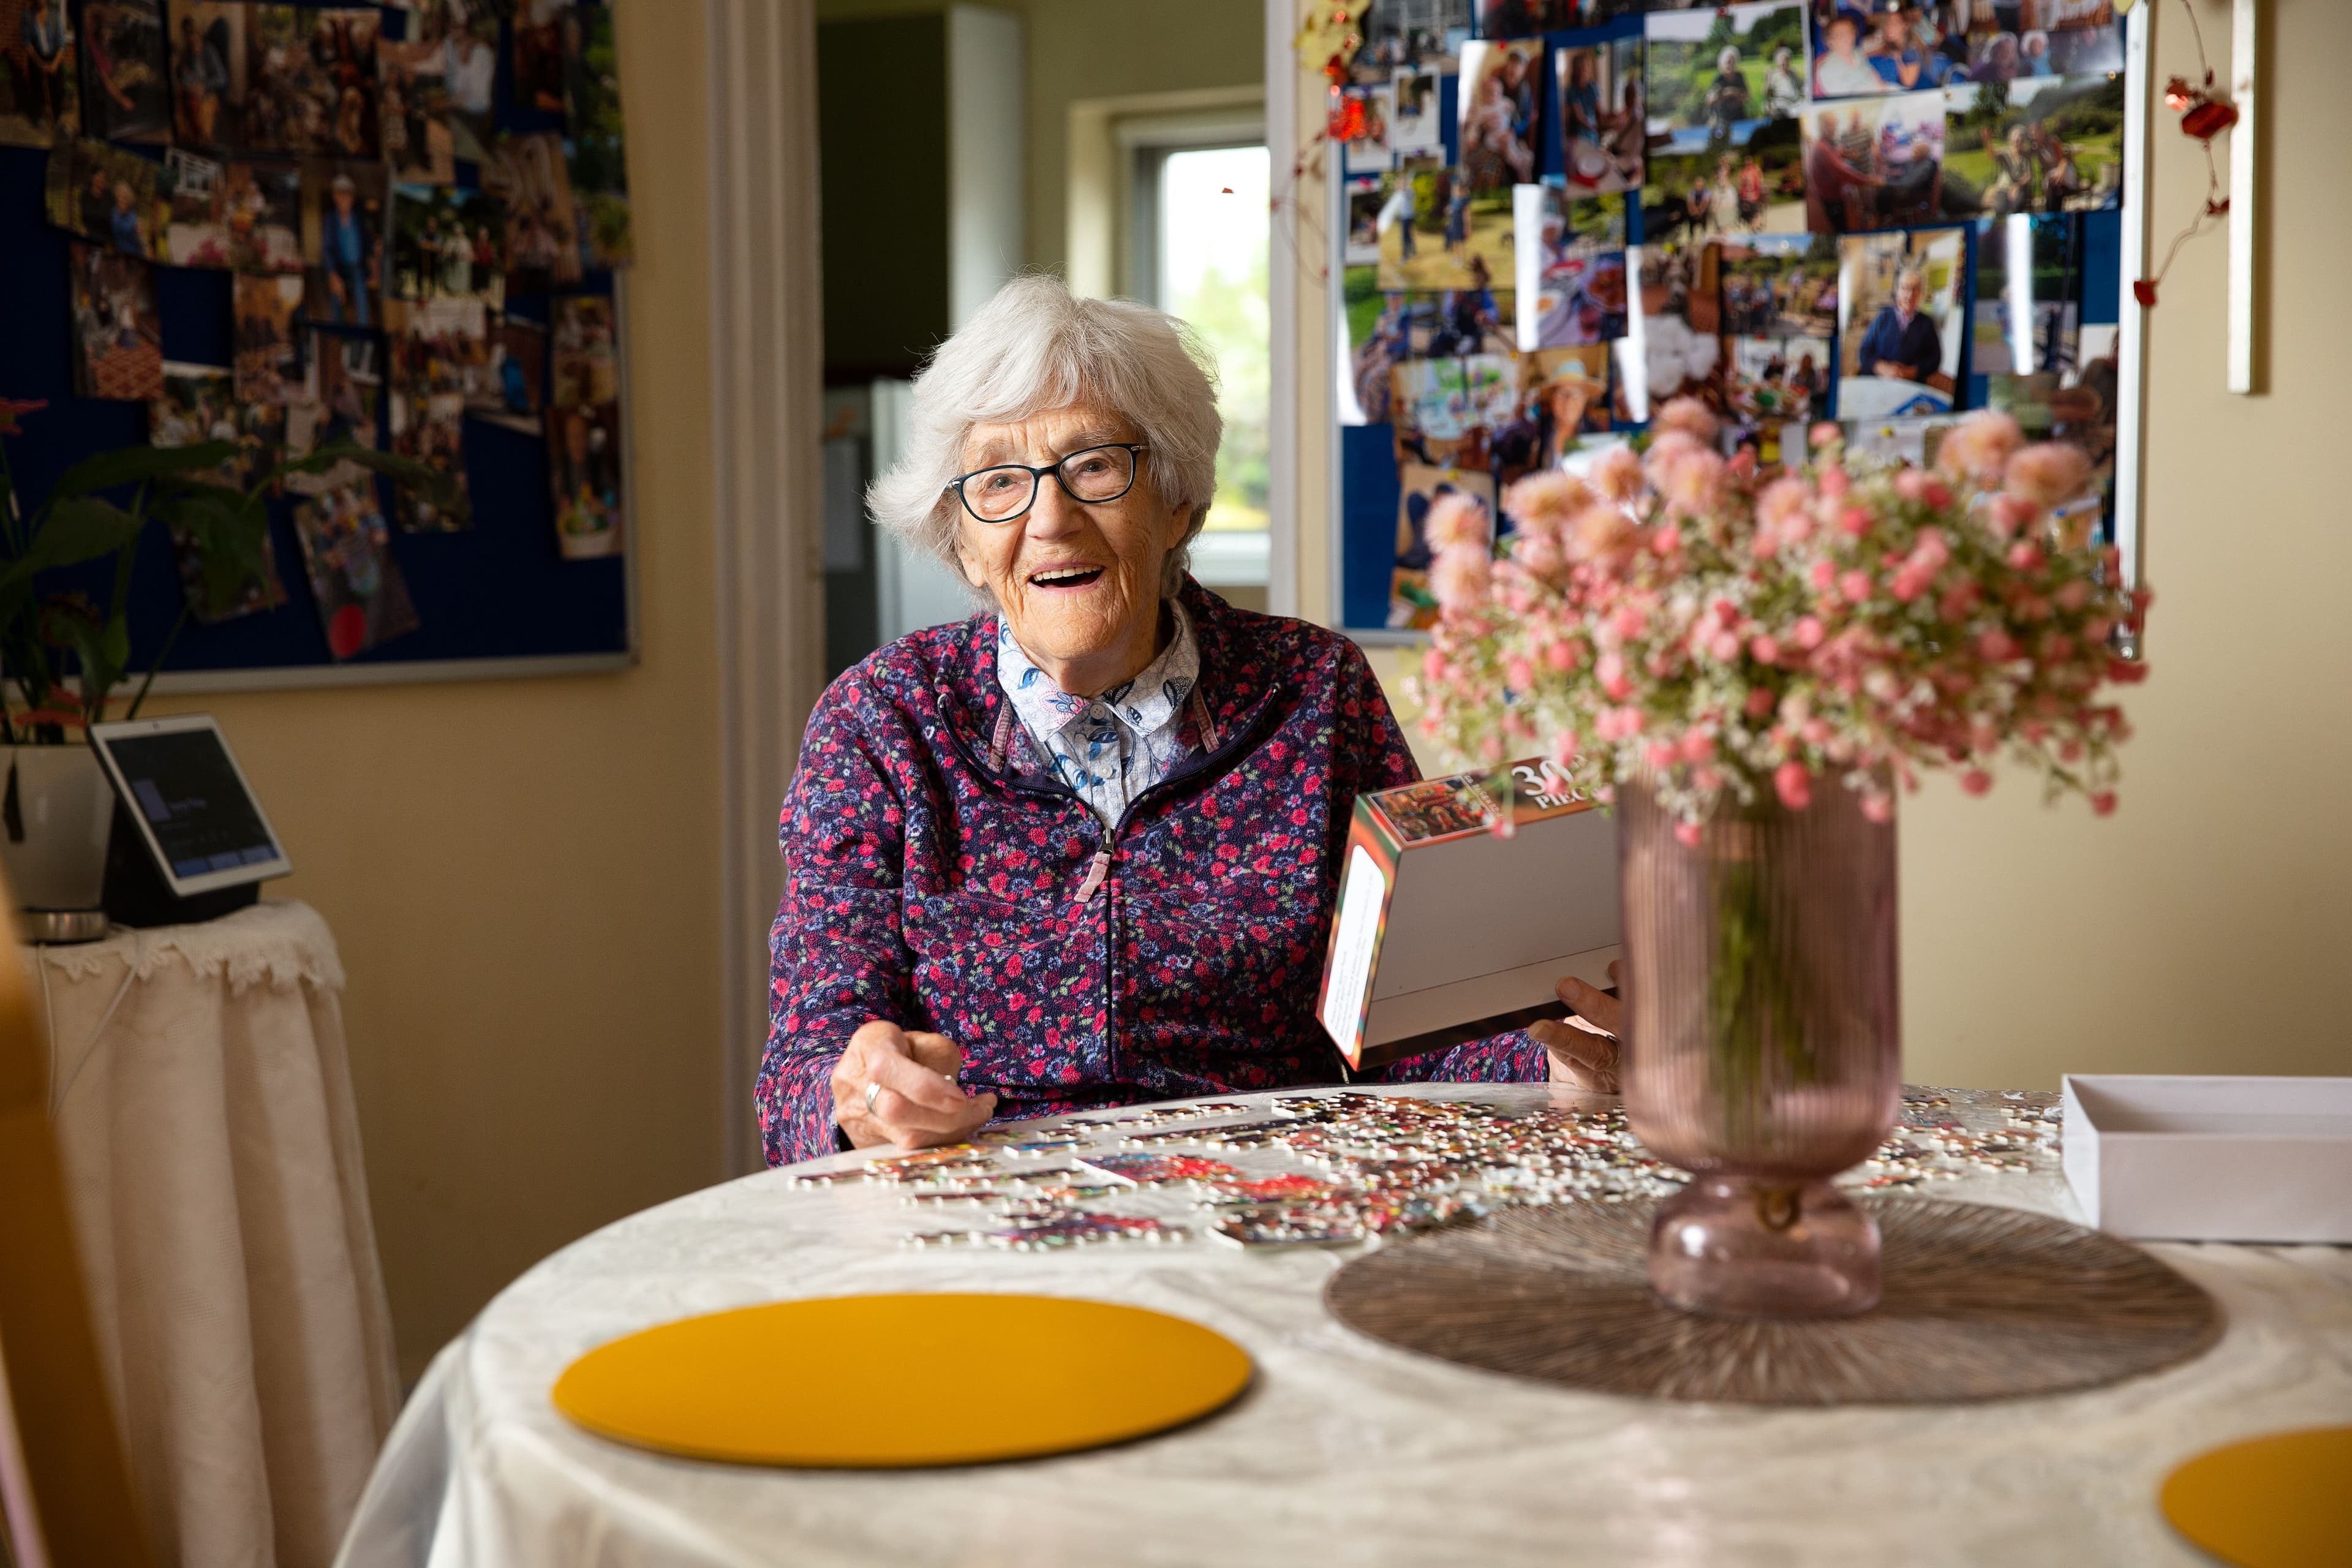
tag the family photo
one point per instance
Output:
(208, 73)
(118, 339)
(2039, 144)
(41, 97)
(1603, 130)
(1780, 285)
(1899, 327)
(342, 241)
(361, 597)
(1754, 184)
(1712, 71)
(1502, 95)
(126, 94)
(269, 353)
(1875, 163)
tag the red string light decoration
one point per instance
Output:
(2204, 114)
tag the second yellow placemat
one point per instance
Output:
(887, 1381)
(2280, 1501)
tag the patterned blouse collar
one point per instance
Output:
(1153, 701)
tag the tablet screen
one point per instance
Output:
(185, 786)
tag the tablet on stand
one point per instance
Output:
(190, 841)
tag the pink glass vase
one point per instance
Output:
(1764, 1050)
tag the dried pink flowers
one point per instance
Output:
(1669, 616)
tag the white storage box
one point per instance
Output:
(2212, 1159)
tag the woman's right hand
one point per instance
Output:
(899, 1086)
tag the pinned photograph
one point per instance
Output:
(595, 146)
(1572, 268)
(1447, 411)
(40, 87)
(539, 54)
(1899, 323)
(1779, 285)
(1775, 380)
(439, 353)
(312, 80)
(343, 241)
(1878, 163)
(2058, 38)
(1409, 33)
(126, 93)
(197, 405)
(529, 174)
(1414, 123)
(1679, 352)
(1570, 388)
(267, 307)
(2039, 144)
(413, 110)
(362, 596)
(584, 454)
(1603, 126)
(190, 191)
(511, 390)
(1363, 244)
(1713, 71)
(106, 195)
(585, 370)
(2026, 316)
(1431, 230)
(1473, 321)
(345, 403)
(207, 73)
(261, 203)
(1412, 605)
(1382, 329)
(444, 245)
(1842, 63)
(1502, 93)
(1753, 185)
(1368, 149)
(1526, 18)
(470, 39)
(118, 341)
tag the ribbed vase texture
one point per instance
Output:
(1764, 1052)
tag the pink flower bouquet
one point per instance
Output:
(1676, 618)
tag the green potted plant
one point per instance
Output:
(63, 655)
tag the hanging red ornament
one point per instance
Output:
(2204, 115)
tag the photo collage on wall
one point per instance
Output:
(420, 204)
(1558, 215)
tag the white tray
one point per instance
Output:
(2212, 1159)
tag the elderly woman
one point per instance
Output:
(1081, 850)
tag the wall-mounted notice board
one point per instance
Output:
(1549, 229)
(496, 599)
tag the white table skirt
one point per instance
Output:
(203, 1107)
(1345, 1451)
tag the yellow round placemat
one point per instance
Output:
(2280, 1501)
(891, 1382)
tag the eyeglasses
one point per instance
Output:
(1003, 493)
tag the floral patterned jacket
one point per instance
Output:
(938, 876)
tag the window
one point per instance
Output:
(1200, 250)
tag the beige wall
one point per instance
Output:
(1102, 48)
(2204, 927)
(523, 876)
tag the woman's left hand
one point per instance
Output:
(1584, 1049)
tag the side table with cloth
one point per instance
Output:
(1345, 1449)
(205, 1114)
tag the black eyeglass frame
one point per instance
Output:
(1135, 451)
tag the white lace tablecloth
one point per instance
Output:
(1344, 1451)
(204, 1108)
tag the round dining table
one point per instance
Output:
(1343, 1450)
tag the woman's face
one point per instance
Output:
(1078, 581)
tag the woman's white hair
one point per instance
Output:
(1038, 347)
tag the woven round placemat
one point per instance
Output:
(1980, 1304)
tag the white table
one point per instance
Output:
(204, 1112)
(1344, 1451)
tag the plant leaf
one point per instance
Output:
(77, 529)
(129, 465)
